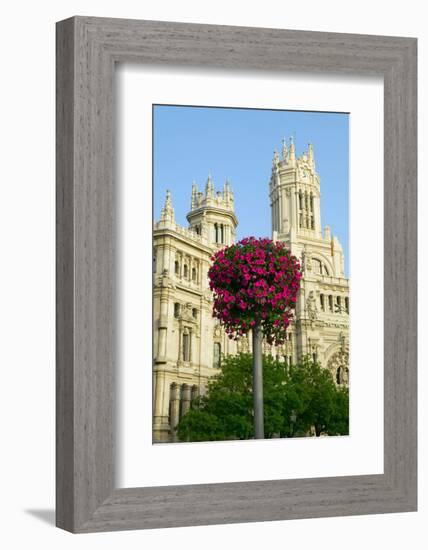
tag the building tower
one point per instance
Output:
(187, 341)
(212, 214)
(321, 325)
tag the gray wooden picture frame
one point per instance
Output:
(87, 51)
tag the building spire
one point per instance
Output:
(167, 213)
(194, 195)
(209, 187)
(275, 161)
(284, 150)
(227, 193)
(311, 159)
(292, 151)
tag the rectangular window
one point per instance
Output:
(186, 347)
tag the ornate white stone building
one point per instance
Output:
(188, 342)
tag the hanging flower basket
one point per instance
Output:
(255, 282)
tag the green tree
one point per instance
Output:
(319, 402)
(295, 399)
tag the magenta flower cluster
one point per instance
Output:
(255, 281)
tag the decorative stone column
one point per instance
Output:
(159, 393)
(317, 219)
(294, 209)
(161, 344)
(175, 409)
(180, 346)
(195, 392)
(273, 216)
(163, 325)
(160, 417)
(185, 399)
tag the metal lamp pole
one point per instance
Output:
(259, 431)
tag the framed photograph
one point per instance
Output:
(236, 274)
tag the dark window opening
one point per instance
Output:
(177, 310)
(186, 347)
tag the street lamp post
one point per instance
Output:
(259, 431)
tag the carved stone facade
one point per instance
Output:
(188, 343)
(321, 326)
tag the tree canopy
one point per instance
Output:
(297, 399)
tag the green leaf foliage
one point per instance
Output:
(297, 399)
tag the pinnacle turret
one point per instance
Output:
(220, 199)
(311, 160)
(209, 187)
(167, 213)
(212, 213)
(292, 152)
(275, 161)
(194, 195)
(284, 150)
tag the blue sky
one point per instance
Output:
(238, 144)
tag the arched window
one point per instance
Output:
(194, 313)
(317, 266)
(217, 355)
(338, 304)
(322, 302)
(300, 200)
(176, 267)
(185, 271)
(330, 302)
